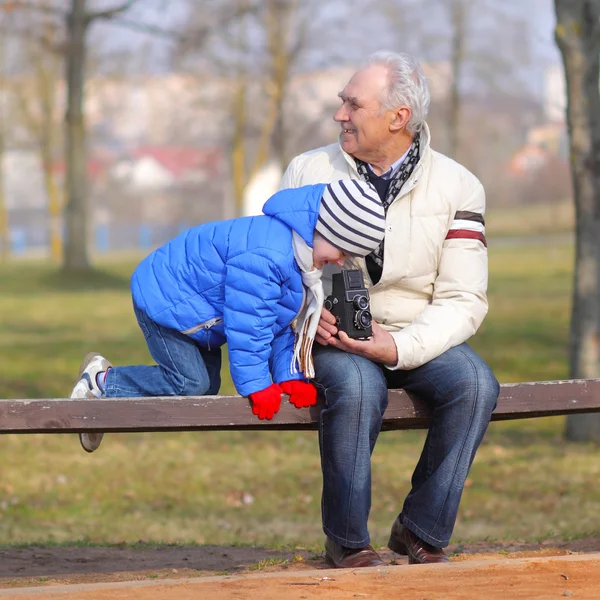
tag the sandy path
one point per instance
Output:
(537, 578)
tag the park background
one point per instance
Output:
(192, 110)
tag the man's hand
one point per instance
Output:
(326, 329)
(380, 348)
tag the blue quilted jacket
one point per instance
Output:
(235, 282)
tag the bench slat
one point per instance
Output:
(59, 415)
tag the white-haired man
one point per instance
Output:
(428, 283)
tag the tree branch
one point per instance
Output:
(43, 41)
(144, 27)
(51, 10)
(109, 13)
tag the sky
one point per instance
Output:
(538, 13)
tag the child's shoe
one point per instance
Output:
(87, 387)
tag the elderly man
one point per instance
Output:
(428, 283)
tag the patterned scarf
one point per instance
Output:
(404, 171)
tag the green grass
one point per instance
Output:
(531, 219)
(238, 488)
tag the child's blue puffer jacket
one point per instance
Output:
(238, 282)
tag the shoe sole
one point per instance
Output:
(400, 548)
(397, 546)
(89, 441)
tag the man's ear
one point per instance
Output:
(400, 118)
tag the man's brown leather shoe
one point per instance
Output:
(350, 558)
(404, 541)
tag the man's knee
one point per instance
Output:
(490, 390)
(349, 380)
(479, 386)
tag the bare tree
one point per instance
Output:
(255, 58)
(284, 27)
(37, 108)
(462, 37)
(577, 35)
(459, 15)
(77, 20)
(4, 242)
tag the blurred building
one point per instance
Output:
(529, 158)
(555, 97)
(25, 199)
(158, 150)
(551, 137)
(260, 188)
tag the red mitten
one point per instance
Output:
(266, 402)
(301, 393)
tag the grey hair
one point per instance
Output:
(407, 86)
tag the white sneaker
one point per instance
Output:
(87, 387)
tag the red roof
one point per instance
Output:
(181, 159)
(95, 168)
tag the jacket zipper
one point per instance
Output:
(406, 189)
(206, 325)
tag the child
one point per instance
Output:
(241, 282)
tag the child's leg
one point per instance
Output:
(212, 361)
(182, 369)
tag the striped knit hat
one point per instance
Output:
(351, 217)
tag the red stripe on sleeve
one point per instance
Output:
(466, 234)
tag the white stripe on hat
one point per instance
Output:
(355, 210)
(349, 221)
(341, 242)
(370, 192)
(351, 217)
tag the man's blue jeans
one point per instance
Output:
(183, 368)
(461, 391)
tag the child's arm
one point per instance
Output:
(301, 392)
(282, 353)
(252, 290)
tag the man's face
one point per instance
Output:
(365, 128)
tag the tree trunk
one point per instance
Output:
(47, 81)
(54, 208)
(238, 146)
(578, 38)
(4, 241)
(76, 254)
(459, 13)
(281, 56)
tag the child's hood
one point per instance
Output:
(298, 208)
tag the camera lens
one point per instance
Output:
(362, 319)
(328, 304)
(360, 302)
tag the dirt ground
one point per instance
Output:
(477, 571)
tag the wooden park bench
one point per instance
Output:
(59, 415)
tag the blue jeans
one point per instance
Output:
(461, 391)
(183, 368)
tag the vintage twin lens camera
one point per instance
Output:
(349, 304)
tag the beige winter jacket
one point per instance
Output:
(432, 292)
